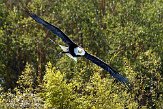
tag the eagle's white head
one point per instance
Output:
(79, 51)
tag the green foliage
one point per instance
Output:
(125, 34)
(24, 95)
(96, 93)
(57, 91)
(149, 77)
(26, 79)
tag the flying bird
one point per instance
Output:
(74, 51)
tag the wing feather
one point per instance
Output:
(52, 28)
(106, 67)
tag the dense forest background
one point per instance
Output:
(127, 34)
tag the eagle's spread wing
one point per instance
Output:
(52, 28)
(106, 67)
